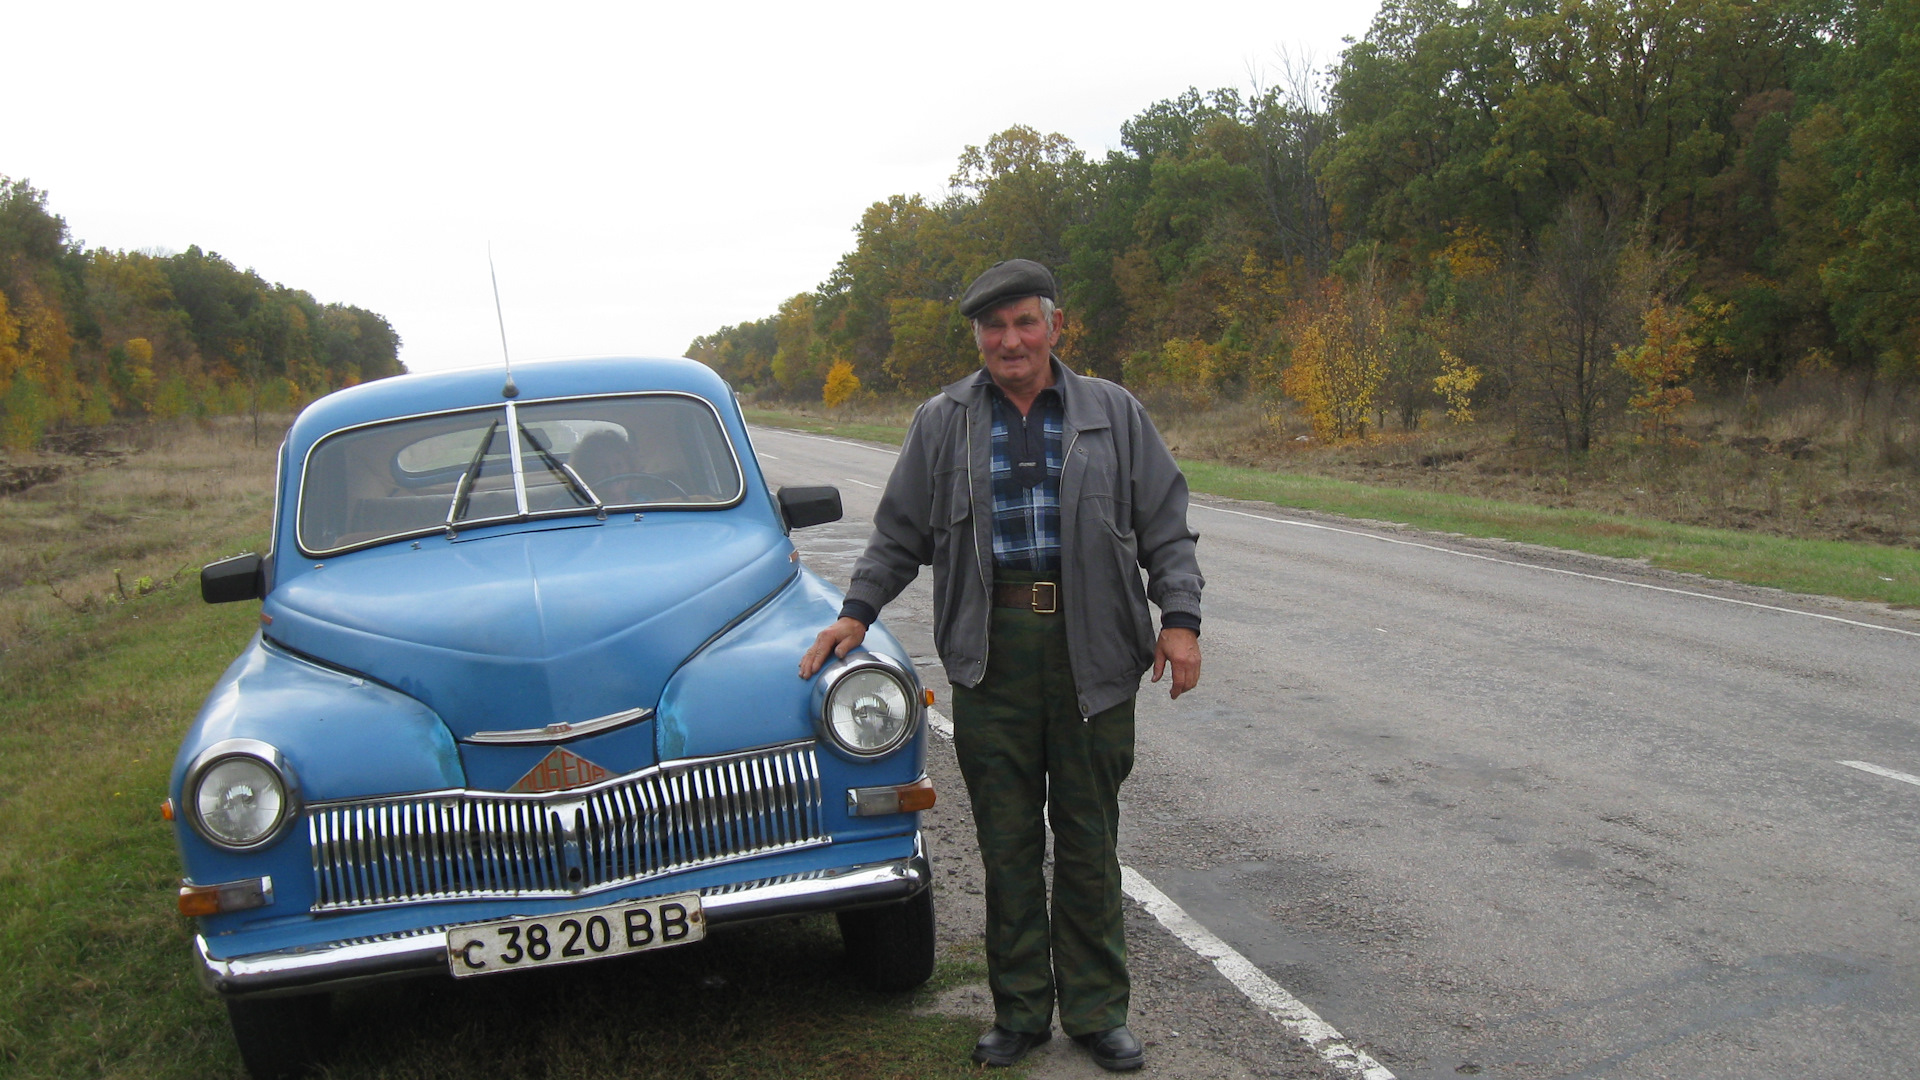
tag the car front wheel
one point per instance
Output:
(891, 946)
(279, 1037)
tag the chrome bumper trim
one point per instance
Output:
(342, 965)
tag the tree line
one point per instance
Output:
(91, 335)
(1562, 211)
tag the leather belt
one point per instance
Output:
(1039, 597)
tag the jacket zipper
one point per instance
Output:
(1064, 460)
(986, 577)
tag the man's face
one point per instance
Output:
(1016, 342)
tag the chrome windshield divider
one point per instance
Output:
(513, 452)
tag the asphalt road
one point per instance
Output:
(1499, 811)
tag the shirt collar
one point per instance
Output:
(1050, 394)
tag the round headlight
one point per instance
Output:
(240, 799)
(868, 712)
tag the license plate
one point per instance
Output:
(575, 936)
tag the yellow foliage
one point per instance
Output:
(43, 330)
(842, 384)
(1470, 253)
(1339, 359)
(1258, 294)
(1455, 385)
(1184, 368)
(140, 371)
(1659, 366)
(9, 353)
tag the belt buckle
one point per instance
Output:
(1052, 594)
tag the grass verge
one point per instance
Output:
(1824, 567)
(846, 429)
(98, 678)
(1853, 571)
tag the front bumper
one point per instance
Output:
(342, 965)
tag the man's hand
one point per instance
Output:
(1178, 647)
(846, 634)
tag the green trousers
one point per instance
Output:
(1023, 745)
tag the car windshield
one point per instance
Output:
(428, 473)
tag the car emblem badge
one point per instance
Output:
(558, 771)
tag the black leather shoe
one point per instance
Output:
(1114, 1048)
(1002, 1047)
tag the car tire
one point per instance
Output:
(279, 1037)
(891, 947)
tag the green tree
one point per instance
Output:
(1873, 277)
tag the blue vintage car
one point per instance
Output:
(524, 694)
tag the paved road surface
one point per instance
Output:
(1491, 819)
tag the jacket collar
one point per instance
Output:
(1076, 397)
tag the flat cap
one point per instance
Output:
(1014, 279)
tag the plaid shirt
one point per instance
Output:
(1027, 456)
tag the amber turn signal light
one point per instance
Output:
(891, 799)
(928, 695)
(166, 809)
(197, 901)
(917, 795)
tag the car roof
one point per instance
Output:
(437, 391)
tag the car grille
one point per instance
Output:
(478, 844)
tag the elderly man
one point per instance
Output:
(1038, 495)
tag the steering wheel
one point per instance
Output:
(637, 485)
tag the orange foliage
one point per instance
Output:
(1658, 367)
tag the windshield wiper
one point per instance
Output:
(464, 489)
(566, 472)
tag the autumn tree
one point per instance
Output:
(89, 335)
(1339, 356)
(1768, 144)
(840, 386)
(1659, 368)
(1455, 385)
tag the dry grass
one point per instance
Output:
(1802, 460)
(138, 508)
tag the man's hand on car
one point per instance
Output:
(844, 636)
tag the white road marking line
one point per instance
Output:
(1293, 1014)
(862, 483)
(768, 456)
(1866, 766)
(940, 724)
(1554, 569)
(1270, 996)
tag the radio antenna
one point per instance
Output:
(509, 390)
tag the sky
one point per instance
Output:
(643, 173)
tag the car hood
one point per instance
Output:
(521, 629)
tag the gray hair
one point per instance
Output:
(1046, 312)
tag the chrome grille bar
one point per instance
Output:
(483, 844)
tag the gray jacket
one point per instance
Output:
(1123, 508)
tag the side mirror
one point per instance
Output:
(804, 506)
(232, 579)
